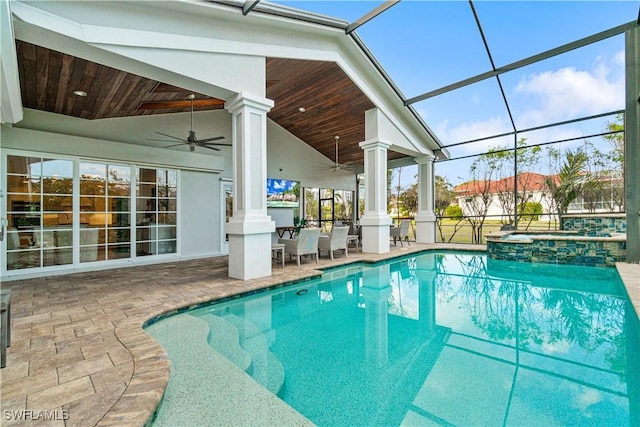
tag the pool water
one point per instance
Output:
(440, 338)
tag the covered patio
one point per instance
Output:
(91, 92)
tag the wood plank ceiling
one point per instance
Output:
(333, 104)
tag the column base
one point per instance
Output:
(250, 247)
(425, 228)
(375, 234)
(249, 256)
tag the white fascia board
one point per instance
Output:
(234, 73)
(254, 35)
(10, 99)
(172, 56)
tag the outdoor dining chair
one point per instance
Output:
(305, 244)
(336, 240)
(401, 232)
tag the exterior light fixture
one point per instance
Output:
(80, 93)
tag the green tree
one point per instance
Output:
(530, 211)
(504, 159)
(409, 199)
(444, 209)
(565, 186)
(444, 195)
(454, 212)
(479, 197)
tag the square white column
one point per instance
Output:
(249, 227)
(375, 222)
(425, 217)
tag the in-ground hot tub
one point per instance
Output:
(557, 247)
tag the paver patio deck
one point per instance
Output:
(78, 350)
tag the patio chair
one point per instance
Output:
(335, 241)
(305, 244)
(401, 232)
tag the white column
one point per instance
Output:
(375, 222)
(250, 227)
(425, 217)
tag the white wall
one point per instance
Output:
(289, 157)
(199, 213)
(283, 217)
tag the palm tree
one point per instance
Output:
(565, 186)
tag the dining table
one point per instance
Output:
(284, 229)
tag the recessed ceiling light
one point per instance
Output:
(302, 109)
(80, 93)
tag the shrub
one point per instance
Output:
(453, 211)
(530, 211)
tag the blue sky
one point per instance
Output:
(424, 45)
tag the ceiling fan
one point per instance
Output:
(191, 140)
(336, 166)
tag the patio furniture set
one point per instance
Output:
(311, 242)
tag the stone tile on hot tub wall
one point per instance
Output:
(579, 252)
(595, 226)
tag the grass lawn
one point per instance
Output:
(463, 235)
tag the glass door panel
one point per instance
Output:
(39, 202)
(156, 207)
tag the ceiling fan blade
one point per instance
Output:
(159, 140)
(175, 145)
(213, 144)
(171, 136)
(210, 148)
(215, 138)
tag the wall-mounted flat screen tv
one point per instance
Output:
(282, 193)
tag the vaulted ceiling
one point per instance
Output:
(333, 105)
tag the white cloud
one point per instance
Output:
(569, 93)
(558, 347)
(586, 398)
(544, 98)
(473, 130)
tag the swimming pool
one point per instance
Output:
(437, 338)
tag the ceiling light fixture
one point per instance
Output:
(80, 93)
(302, 109)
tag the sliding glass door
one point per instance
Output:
(69, 212)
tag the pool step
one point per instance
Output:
(267, 369)
(247, 347)
(225, 338)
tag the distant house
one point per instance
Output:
(532, 188)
